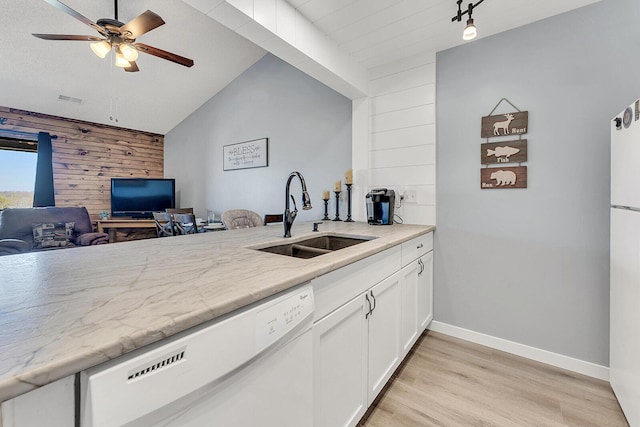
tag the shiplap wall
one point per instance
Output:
(402, 139)
(87, 155)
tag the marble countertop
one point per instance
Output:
(67, 310)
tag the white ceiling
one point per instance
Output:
(376, 32)
(35, 72)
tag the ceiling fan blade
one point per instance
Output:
(141, 24)
(132, 68)
(67, 37)
(66, 9)
(164, 54)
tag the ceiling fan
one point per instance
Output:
(118, 36)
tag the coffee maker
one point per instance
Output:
(380, 203)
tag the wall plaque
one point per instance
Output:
(503, 177)
(505, 124)
(245, 155)
(504, 152)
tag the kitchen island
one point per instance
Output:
(65, 311)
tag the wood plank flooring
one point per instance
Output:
(450, 382)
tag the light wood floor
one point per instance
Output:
(451, 382)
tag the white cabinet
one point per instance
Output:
(384, 333)
(409, 323)
(356, 352)
(340, 365)
(52, 405)
(356, 336)
(425, 291)
(417, 289)
(368, 316)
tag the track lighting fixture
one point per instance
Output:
(470, 32)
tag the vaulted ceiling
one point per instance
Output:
(34, 73)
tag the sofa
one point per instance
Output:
(35, 229)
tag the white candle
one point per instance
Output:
(325, 195)
(348, 177)
(338, 186)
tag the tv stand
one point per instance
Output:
(113, 224)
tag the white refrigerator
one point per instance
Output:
(625, 262)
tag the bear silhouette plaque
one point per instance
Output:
(504, 177)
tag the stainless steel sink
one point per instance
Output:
(315, 246)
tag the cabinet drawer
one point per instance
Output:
(334, 289)
(416, 247)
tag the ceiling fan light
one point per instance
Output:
(129, 52)
(121, 61)
(101, 48)
(470, 32)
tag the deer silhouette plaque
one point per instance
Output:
(510, 124)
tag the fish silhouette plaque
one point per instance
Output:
(504, 152)
(505, 124)
(503, 177)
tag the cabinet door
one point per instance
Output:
(409, 320)
(340, 365)
(51, 406)
(384, 333)
(425, 292)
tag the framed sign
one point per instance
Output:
(246, 155)
(501, 178)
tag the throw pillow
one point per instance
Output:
(52, 235)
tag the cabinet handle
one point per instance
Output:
(420, 246)
(366, 316)
(374, 301)
(421, 267)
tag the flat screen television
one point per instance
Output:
(140, 197)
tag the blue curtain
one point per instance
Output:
(43, 192)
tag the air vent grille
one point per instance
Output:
(161, 363)
(70, 99)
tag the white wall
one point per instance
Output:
(402, 130)
(532, 265)
(309, 130)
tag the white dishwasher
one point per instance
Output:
(253, 368)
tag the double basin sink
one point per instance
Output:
(315, 246)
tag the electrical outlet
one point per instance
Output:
(411, 196)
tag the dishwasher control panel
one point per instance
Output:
(275, 321)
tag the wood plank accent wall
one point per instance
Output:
(87, 155)
(402, 133)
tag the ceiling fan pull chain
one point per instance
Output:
(114, 97)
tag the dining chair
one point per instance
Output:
(179, 210)
(241, 218)
(271, 218)
(185, 223)
(164, 224)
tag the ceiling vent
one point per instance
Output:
(70, 99)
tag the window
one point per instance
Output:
(17, 172)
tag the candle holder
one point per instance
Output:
(337, 218)
(326, 210)
(348, 203)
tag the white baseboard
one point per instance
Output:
(544, 356)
